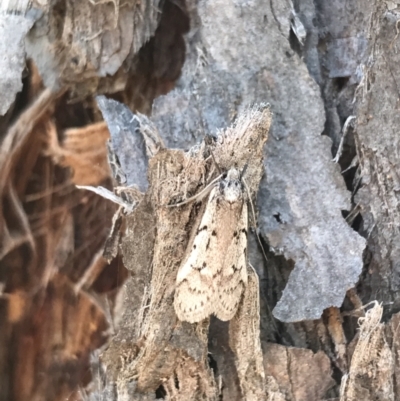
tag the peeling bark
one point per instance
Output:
(85, 317)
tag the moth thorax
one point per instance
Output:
(231, 186)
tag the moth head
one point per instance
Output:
(231, 186)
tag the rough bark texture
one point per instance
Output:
(75, 327)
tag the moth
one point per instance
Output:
(213, 274)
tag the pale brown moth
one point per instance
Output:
(212, 277)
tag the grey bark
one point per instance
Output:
(328, 203)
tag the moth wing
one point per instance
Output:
(233, 277)
(195, 294)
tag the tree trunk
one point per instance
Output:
(89, 282)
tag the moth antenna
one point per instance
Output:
(200, 195)
(261, 247)
(243, 172)
(277, 330)
(254, 215)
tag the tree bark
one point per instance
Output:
(86, 306)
